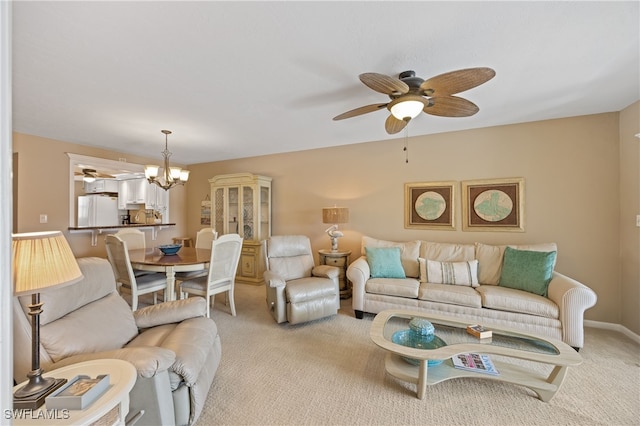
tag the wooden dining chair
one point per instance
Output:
(127, 282)
(204, 239)
(225, 255)
(135, 240)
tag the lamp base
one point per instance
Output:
(33, 394)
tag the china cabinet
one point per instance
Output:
(241, 204)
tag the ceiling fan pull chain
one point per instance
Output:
(406, 145)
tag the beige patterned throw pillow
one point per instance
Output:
(456, 273)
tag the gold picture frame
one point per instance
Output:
(493, 205)
(430, 205)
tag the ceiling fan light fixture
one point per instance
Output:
(88, 179)
(407, 109)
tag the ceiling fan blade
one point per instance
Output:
(104, 176)
(359, 111)
(384, 84)
(450, 106)
(458, 81)
(393, 125)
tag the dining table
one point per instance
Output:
(187, 259)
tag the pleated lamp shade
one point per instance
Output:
(42, 260)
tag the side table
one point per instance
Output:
(111, 408)
(339, 258)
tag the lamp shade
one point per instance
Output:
(42, 260)
(335, 215)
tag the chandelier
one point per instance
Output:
(172, 176)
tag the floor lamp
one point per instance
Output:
(41, 260)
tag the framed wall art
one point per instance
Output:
(429, 205)
(493, 205)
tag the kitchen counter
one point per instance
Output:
(132, 225)
(96, 230)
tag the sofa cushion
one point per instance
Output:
(457, 273)
(447, 252)
(490, 259)
(511, 300)
(407, 287)
(98, 281)
(527, 270)
(450, 294)
(384, 262)
(409, 253)
(101, 325)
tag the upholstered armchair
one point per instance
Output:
(297, 290)
(175, 349)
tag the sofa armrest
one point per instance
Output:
(170, 312)
(358, 273)
(325, 271)
(147, 360)
(273, 280)
(572, 298)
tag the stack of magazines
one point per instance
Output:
(478, 363)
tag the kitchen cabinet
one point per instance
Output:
(140, 192)
(101, 185)
(241, 204)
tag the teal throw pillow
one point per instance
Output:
(384, 262)
(527, 270)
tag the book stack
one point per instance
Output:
(478, 331)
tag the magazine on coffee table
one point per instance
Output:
(478, 363)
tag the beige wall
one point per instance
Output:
(43, 188)
(570, 166)
(629, 208)
(576, 171)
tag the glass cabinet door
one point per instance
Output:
(265, 213)
(233, 218)
(247, 213)
(218, 211)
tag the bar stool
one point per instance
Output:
(185, 241)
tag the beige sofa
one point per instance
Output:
(174, 347)
(559, 313)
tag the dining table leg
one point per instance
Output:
(170, 294)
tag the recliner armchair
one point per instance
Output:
(176, 350)
(297, 290)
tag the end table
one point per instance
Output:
(109, 408)
(339, 258)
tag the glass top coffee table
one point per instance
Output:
(431, 363)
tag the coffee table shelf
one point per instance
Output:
(509, 343)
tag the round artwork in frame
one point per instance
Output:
(430, 205)
(493, 205)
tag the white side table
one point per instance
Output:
(110, 408)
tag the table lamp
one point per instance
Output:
(41, 260)
(335, 215)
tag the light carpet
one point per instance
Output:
(329, 372)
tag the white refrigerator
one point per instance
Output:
(98, 210)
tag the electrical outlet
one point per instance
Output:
(43, 218)
(638, 221)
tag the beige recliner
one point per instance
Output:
(174, 347)
(298, 291)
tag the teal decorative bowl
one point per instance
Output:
(170, 249)
(413, 340)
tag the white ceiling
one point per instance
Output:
(239, 79)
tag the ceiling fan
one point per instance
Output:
(410, 95)
(89, 175)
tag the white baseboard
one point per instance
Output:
(615, 327)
